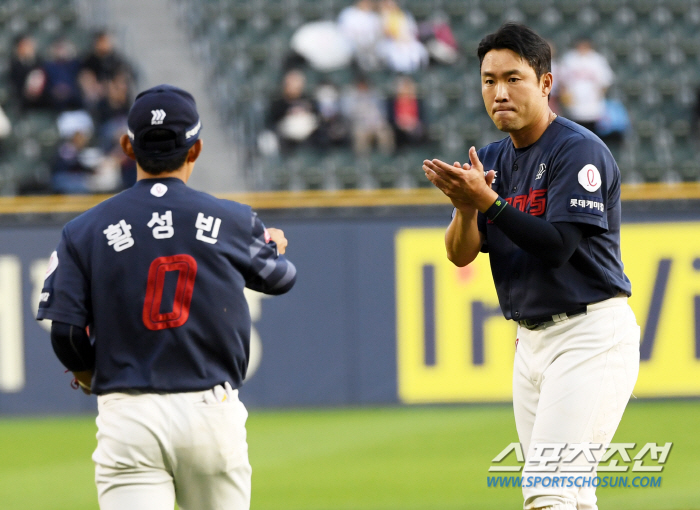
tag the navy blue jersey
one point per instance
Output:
(157, 272)
(568, 175)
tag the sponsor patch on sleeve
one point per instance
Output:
(586, 204)
(45, 297)
(589, 178)
(53, 264)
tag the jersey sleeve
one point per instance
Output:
(270, 272)
(481, 217)
(65, 296)
(579, 186)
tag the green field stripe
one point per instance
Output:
(409, 458)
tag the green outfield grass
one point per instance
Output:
(430, 458)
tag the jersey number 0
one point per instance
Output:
(186, 267)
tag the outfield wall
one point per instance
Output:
(378, 314)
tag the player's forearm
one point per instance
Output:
(72, 347)
(463, 239)
(272, 276)
(554, 243)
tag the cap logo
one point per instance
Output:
(192, 132)
(158, 117)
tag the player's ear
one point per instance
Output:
(195, 151)
(547, 82)
(125, 142)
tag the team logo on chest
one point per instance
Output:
(541, 171)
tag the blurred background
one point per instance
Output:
(382, 381)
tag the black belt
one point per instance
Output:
(538, 321)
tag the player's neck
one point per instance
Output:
(182, 173)
(530, 134)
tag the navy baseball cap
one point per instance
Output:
(163, 107)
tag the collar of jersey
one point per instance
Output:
(165, 180)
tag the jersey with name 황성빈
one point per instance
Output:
(157, 272)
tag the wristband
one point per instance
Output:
(496, 208)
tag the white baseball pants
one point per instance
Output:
(571, 382)
(153, 449)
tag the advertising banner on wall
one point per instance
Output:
(453, 344)
(378, 315)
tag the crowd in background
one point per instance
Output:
(377, 35)
(367, 36)
(89, 95)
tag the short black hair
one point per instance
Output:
(522, 40)
(157, 166)
(100, 33)
(21, 37)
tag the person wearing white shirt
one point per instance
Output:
(585, 76)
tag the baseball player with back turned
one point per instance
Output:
(548, 213)
(157, 273)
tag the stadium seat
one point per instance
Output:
(643, 7)
(312, 10)
(685, 157)
(410, 164)
(421, 9)
(689, 169)
(270, 174)
(457, 10)
(384, 170)
(313, 173)
(351, 172)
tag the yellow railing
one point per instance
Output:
(320, 199)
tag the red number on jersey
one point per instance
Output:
(186, 267)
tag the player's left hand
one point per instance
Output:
(84, 380)
(465, 184)
(277, 236)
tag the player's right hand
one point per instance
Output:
(277, 236)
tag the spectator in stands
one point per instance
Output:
(406, 113)
(5, 129)
(293, 117)
(72, 170)
(26, 73)
(111, 112)
(695, 120)
(400, 49)
(110, 117)
(63, 91)
(585, 76)
(554, 95)
(5, 125)
(438, 38)
(366, 110)
(333, 129)
(363, 27)
(101, 65)
(104, 61)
